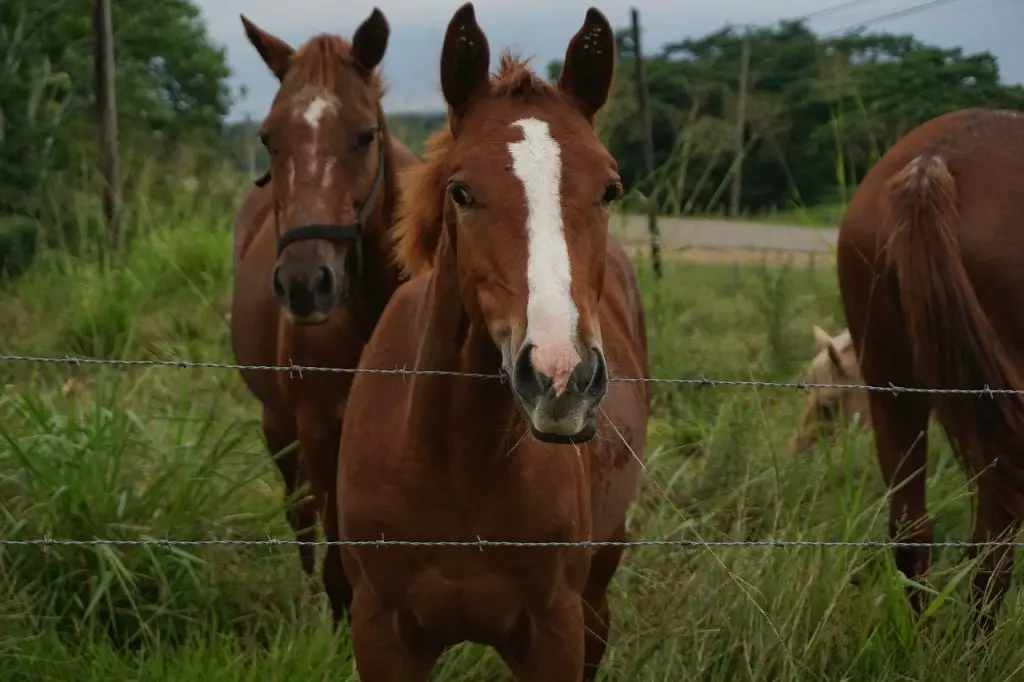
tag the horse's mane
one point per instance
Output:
(421, 206)
(317, 62)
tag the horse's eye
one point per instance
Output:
(367, 137)
(612, 192)
(460, 194)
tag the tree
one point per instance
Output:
(171, 90)
(819, 113)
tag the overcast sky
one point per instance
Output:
(542, 28)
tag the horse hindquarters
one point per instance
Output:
(954, 345)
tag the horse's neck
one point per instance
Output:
(463, 416)
(382, 273)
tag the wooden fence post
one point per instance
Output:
(106, 109)
(645, 113)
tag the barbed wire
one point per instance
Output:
(482, 544)
(299, 370)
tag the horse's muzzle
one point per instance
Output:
(308, 294)
(569, 416)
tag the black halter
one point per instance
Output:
(335, 233)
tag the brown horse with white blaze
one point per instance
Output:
(929, 258)
(313, 261)
(505, 234)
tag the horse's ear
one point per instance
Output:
(275, 52)
(371, 40)
(822, 338)
(465, 61)
(589, 64)
(827, 344)
(835, 359)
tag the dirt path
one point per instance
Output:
(724, 241)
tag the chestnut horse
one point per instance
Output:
(312, 255)
(504, 232)
(927, 255)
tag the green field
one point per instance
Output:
(175, 453)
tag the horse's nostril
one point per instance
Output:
(278, 285)
(583, 374)
(522, 369)
(591, 376)
(323, 281)
(525, 377)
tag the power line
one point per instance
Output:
(832, 9)
(905, 12)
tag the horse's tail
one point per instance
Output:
(953, 342)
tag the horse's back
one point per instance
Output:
(983, 151)
(622, 316)
(626, 299)
(402, 156)
(620, 446)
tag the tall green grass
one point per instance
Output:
(169, 453)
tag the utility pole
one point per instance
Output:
(741, 124)
(106, 109)
(645, 113)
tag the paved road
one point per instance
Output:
(730, 235)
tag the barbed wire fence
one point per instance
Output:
(481, 543)
(298, 370)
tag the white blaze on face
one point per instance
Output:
(312, 116)
(325, 181)
(551, 315)
(315, 111)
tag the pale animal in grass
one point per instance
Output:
(831, 404)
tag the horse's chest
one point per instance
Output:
(447, 595)
(336, 344)
(475, 593)
(482, 599)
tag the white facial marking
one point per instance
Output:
(312, 115)
(551, 315)
(315, 111)
(325, 181)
